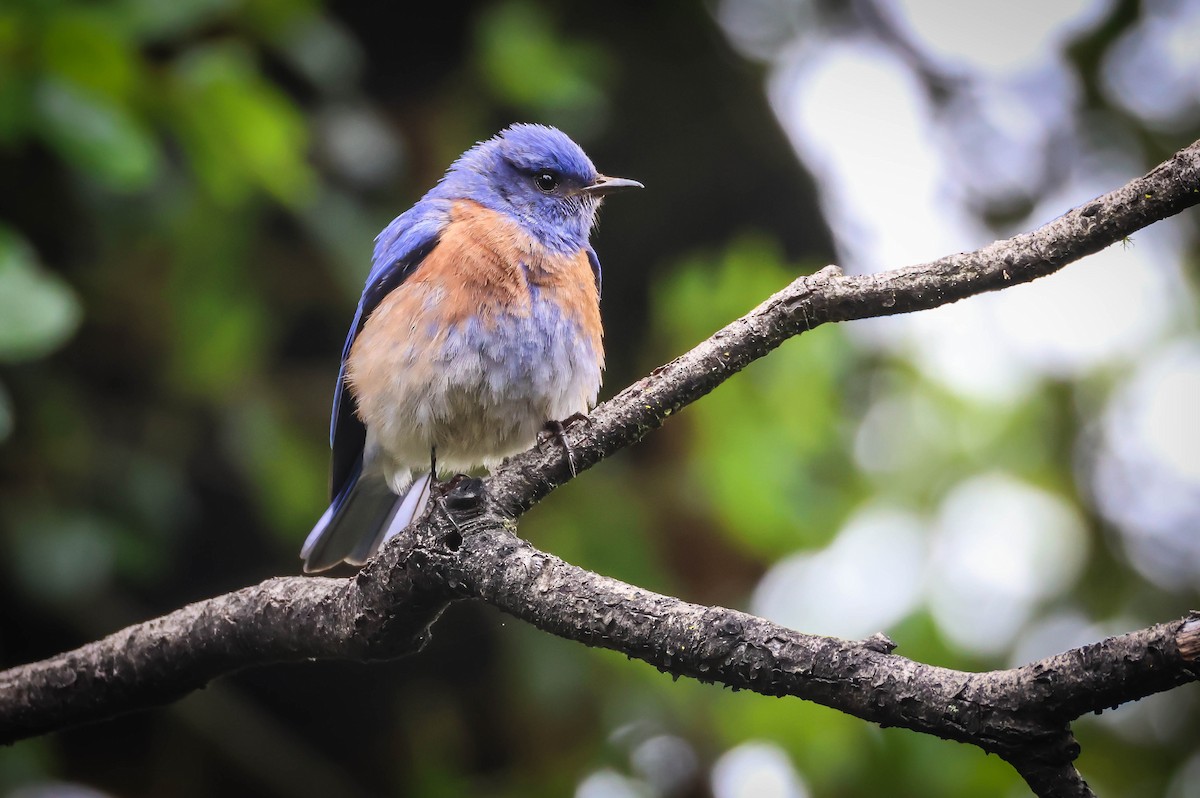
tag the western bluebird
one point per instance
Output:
(478, 327)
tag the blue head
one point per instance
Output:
(539, 177)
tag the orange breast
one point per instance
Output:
(490, 337)
(486, 267)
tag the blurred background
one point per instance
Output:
(190, 193)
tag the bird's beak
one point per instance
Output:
(604, 185)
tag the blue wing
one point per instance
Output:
(399, 251)
(595, 261)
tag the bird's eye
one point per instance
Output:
(545, 181)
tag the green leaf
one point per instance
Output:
(240, 132)
(270, 17)
(14, 77)
(220, 327)
(85, 48)
(154, 19)
(530, 64)
(94, 135)
(38, 311)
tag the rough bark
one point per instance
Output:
(1021, 714)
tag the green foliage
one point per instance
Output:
(763, 446)
(531, 65)
(26, 762)
(98, 138)
(287, 470)
(601, 527)
(240, 132)
(38, 310)
(219, 327)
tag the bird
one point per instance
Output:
(478, 329)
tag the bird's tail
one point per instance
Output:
(361, 518)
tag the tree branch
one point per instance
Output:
(387, 608)
(1021, 714)
(161, 660)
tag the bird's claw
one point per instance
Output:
(557, 430)
(439, 492)
(442, 488)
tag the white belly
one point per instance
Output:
(477, 393)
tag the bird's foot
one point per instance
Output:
(557, 430)
(443, 487)
(459, 493)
